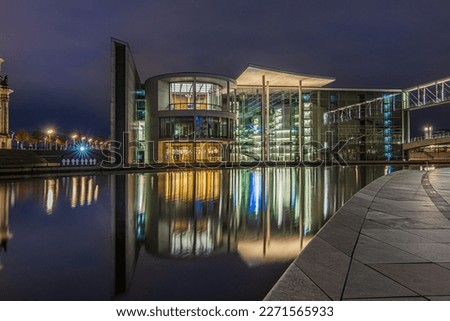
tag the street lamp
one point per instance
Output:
(428, 131)
(73, 139)
(50, 132)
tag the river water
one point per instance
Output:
(225, 234)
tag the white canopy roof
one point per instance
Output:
(252, 76)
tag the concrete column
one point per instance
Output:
(405, 118)
(6, 113)
(406, 130)
(300, 120)
(263, 119)
(227, 149)
(267, 110)
(228, 98)
(2, 109)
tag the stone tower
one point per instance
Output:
(5, 138)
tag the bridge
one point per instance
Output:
(427, 95)
(431, 147)
(433, 140)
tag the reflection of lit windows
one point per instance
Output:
(74, 194)
(50, 192)
(83, 190)
(140, 199)
(179, 185)
(90, 191)
(140, 226)
(255, 193)
(96, 193)
(191, 237)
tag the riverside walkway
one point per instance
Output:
(390, 241)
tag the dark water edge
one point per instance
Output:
(184, 235)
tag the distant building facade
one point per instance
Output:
(264, 114)
(5, 92)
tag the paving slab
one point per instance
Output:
(391, 241)
(434, 252)
(327, 270)
(365, 282)
(339, 236)
(444, 264)
(355, 209)
(409, 223)
(294, 285)
(378, 252)
(372, 225)
(438, 298)
(434, 214)
(422, 278)
(350, 220)
(438, 235)
(391, 236)
(377, 215)
(408, 298)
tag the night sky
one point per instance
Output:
(58, 52)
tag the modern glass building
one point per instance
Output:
(190, 117)
(263, 114)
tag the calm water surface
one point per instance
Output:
(180, 235)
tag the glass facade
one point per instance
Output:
(371, 126)
(249, 127)
(183, 152)
(371, 133)
(283, 125)
(192, 95)
(205, 127)
(282, 134)
(139, 126)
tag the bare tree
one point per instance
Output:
(22, 136)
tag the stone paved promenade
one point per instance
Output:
(391, 241)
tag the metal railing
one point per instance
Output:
(434, 136)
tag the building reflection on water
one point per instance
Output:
(78, 190)
(253, 217)
(5, 234)
(263, 214)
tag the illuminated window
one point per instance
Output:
(184, 95)
(181, 95)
